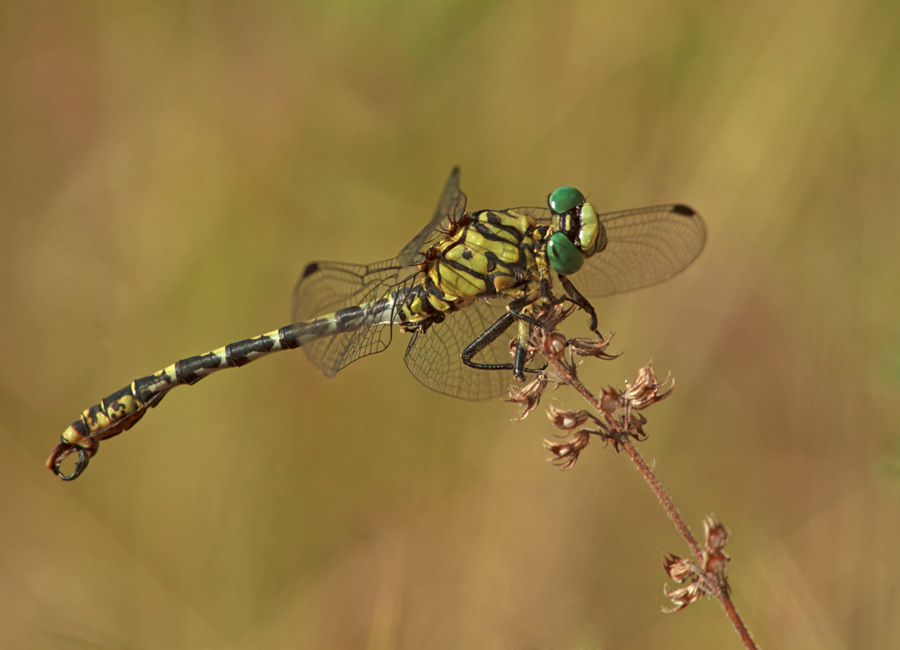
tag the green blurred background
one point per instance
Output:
(169, 168)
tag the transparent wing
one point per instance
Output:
(540, 215)
(646, 246)
(433, 357)
(326, 287)
(452, 203)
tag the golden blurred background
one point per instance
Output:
(169, 168)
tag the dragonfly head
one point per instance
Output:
(577, 232)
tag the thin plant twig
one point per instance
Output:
(619, 420)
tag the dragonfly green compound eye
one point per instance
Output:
(565, 258)
(564, 199)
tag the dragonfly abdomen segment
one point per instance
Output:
(122, 409)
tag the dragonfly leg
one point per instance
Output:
(516, 306)
(581, 301)
(483, 340)
(546, 292)
(521, 354)
(491, 334)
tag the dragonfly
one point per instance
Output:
(461, 283)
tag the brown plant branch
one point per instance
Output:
(619, 420)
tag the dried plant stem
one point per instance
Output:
(619, 420)
(721, 594)
(663, 497)
(738, 622)
(711, 584)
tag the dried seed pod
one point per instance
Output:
(566, 452)
(527, 396)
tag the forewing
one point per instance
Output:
(540, 215)
(433, 357)
(452, 203)
(646, 246)
(327, 287)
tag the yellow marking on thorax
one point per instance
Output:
(469, 249)
(477, 261)
(521, 222)
(518, 221)
(507, 252)
(457, 284)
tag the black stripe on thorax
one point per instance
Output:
(488, 231)
(493, 217)
(494, 220)
(465, 268)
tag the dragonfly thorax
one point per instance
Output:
(490, 253)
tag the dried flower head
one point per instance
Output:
(552, 315)
(647, 390)
(679, 569)
(717, 536)
(589, 347)
(636, 426)
(707, 577)
(715, 562)
(528, 396)
(610, 400)
(553, 345)
(545, 338)
(566, 453)
(687, 573)
(566, 420)
(683, 596)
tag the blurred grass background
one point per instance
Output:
(166, 171)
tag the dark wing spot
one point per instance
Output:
(313, 267)
(680, 208)
(467, 254)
